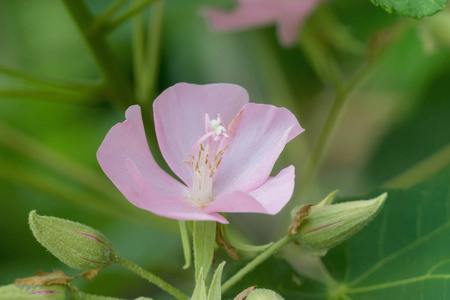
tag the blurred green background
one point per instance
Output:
(398, 116)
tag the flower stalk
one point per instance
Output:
(257, 261)
(149, 276)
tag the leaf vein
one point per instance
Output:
(396, 254)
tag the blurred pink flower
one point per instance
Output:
(222, 147)
(287, 14)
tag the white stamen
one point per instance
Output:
(204, 165)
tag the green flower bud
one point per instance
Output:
(51, 292)
(328, 225)
(77, 245)
(264, 294)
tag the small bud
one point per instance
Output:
(264, 294)
(77, 245)
(329, 225)
(51, 292)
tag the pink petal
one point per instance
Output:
(288, 15)
(180, 118)
(258, 134)
(236, 202)
(269, 198)
(276, 192)
(291, 17)
(248, 14)
(179, 209)
(126, 159)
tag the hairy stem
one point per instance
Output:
(149, 276)
(256, 261)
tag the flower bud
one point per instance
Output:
(264, 294)
(326, 226)
(51, 292)
(77, 245)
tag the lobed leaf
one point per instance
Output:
(416, 9)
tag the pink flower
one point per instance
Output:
(287, 14)
(220, 146)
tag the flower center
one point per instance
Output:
(205, 159)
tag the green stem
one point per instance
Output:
(138, 44)
(153, 50)
(118, 87)
(146, 62)
(100, 21)
(50, 83)
(70, 98)
(329, 280)
(277, 85)
(320, 58)
(421, 171)
(19, 143)
(60, 191)
(256, 261)
(276, 81)
(126, 15)
(149, 276)
(321, 146)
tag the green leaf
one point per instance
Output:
(400, 150)
(416, 9)
(278, 275)
(403, 252)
